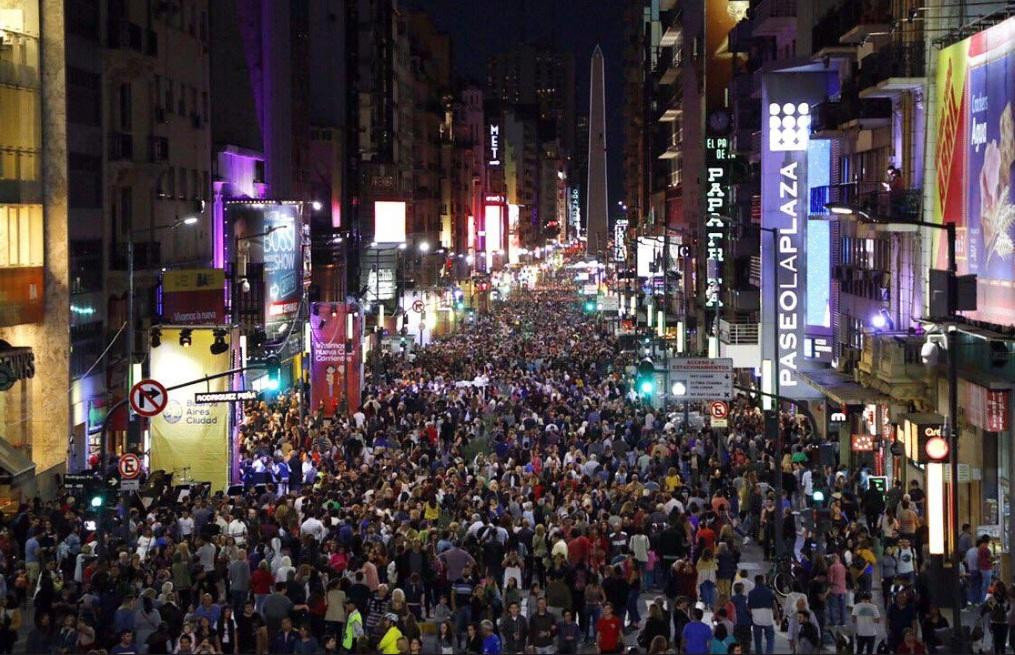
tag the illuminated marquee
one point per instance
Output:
(717, 203)
(576, 212)
(786, 99)
(619, 238)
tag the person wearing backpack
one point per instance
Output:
(996, 611)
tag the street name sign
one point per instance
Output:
(225, 396)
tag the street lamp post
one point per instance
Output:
(775, 390)
(953, 390)
(189, 220)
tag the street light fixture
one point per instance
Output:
(424, 247)
(950, 306)
(129, 332)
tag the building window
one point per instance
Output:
(170, 105)
(171, 180)
(21, 236)
(181, 184)
(125, 107)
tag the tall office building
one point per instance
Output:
(596, 209)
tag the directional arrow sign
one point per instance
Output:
(148, 398)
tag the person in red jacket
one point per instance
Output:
(608, 631)
(261, 581)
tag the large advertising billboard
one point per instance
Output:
(191, 439)
(194, 297)
(389, 221)
(272, 233)
(335, 383)
(975, 163)
(786, 101)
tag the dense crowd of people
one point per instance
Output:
(504, 490)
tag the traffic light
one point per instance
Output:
(936, 449)
(274, 373)
(97, 501)
(460, 305)
(646, 383)
(590, 306)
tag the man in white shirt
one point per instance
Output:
(866, 617)
(237, 529)
(313, 526)
(186, 525)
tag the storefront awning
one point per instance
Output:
(841, 388)
(13, 464)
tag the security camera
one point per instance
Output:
(932, 348)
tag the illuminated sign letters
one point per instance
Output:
(786, 99)
(494, 145)
(716, 204)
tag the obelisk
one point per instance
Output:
(596, 203)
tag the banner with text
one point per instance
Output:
(336, 330)
(786, 101)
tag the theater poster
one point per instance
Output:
(335, 382)
(975, 165)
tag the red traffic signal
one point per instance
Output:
(936, 449)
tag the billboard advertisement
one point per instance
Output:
(389, 221)
(191, 439)
(975, 182)
(335, 364)
(786, 100)
(194, 297)
(272, 233)
(650, 255)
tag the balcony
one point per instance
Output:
(893, 69)
(738, 333)
(892, 364)
(671, 152)
(674, 29)
(862, 19)
(826, 117)
(826, 33)
(773, 17)
(871, 197)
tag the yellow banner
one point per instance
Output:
(193, 279)
(191, 440)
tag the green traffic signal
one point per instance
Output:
(97, 502)
(590, 306)
(274, 373)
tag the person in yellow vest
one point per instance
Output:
(353, 631)
(389, 642)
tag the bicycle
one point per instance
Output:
(781, 575)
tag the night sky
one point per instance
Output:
(479, 29)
